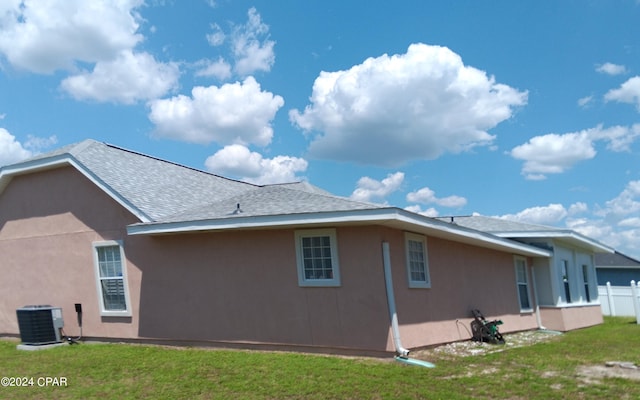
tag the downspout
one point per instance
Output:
(535, 294)
(402, 353)
(391, 301)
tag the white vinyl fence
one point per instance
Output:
(621, 301)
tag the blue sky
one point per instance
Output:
(524, 110)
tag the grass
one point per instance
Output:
(546, 370)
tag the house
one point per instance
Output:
(617, 269)
(615, 273)
(565, 284)
(155, 251)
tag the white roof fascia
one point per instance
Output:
(384, 216)
(558, 234)
(262, 221)
(6, 173)
(473, 234)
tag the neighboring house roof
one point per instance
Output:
(615, 260)
(171, 198)
(519, 230)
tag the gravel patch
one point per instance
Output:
(473, 348)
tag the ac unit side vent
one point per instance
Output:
(40, 324)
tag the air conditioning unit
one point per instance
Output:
(40, 324)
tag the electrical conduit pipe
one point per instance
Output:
(402, 353)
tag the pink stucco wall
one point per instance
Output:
(463, 277)
(48, 221)
(570, 318)
(243, 287)
(235, 286)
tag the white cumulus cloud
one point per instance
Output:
(628, 92)
(625, 204)
(541, 215)
(618, 138)
(553, 153)
(368, 188)
(578, 208)
(428, 196)
(45, 36)
(615, 223)
(11, 150)
(392, 109)
(249, 166)
(252, 49)
(217, 37)
(219, 69)
(129, 78)
(556, 153)
(237, 113)
(429, 212)
(611, 69)
(94, 41)
(585, 101)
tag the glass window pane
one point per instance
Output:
(521, 273)
(109, 262)
(524, 297)
(317, 257)
(113, 295)
(416, 261)
(565, 279)
(111, 278)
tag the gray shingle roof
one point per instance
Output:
(492, 224)
(169, 192)
(520, 230)
(158, 188)
(270, 200)
(615, 260)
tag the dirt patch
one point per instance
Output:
(587, 374)
(593, 374)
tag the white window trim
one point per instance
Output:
(527, 282)
(333, 242)
(417, 238)
(96, 265)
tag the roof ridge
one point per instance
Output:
(329, 194)
(79, 147)
(550, 227)
(113, 146)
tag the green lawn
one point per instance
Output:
(546, 370)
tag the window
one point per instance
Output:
(317, 257)
(522, 282)
(417, 265)
(585, 277)
(565, 280)
(111, 279)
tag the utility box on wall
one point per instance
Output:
(40, 324)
